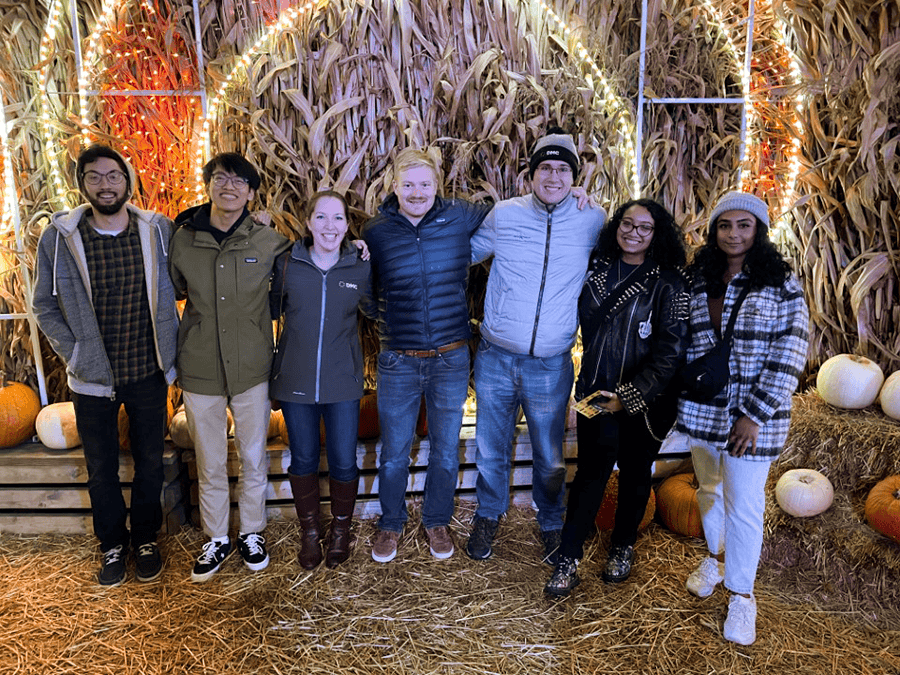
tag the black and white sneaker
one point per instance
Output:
(211, 558)
(147, 562)
(253, 550)
(112, 569)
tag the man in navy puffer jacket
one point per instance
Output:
(420, 257)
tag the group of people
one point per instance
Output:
(109, 274)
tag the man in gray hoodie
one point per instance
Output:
(105, 301)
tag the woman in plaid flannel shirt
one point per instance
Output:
(734, 438)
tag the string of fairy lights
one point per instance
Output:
(60, 193)
(611, 101)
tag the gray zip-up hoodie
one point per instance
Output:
(64, 307)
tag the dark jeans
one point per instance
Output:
(97, 421)
(603, 441)
(341, 427)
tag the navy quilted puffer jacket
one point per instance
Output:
(419, 272)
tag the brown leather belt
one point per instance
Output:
(426, 353)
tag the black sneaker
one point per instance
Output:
(565, 577)
(483, 531)
(618, 564)
(112, 571)
(253, 550)
(147, 562)
(552, 539)
(210, 560)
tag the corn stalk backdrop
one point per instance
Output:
(331, 99)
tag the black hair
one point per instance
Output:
(94, 152)
(667, 246)
(236, 164)
(764, 264)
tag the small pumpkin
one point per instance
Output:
(276, 421)
(369, 428)
(606, 514)
(19, 408)
(56, 426)
(883, 507)
(849, 381)
(676, 503)
(804, 492)
(181, 434)
(889, 398)
(422, 420)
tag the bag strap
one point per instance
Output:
(729, 329)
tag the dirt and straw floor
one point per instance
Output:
(419, 615)
(828, 592)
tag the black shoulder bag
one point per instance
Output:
(702, 379)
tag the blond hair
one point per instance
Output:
(412, 157)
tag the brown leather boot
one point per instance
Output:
(306, 501)
(343, 499)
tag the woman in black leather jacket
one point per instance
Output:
(633, 312)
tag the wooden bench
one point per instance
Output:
(45, 491)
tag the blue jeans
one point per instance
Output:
(341, 426)
(402, 380)
(542, 386)
(97, 420)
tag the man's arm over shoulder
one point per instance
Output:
(180, 239)
(484, 240)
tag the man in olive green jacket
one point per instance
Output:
(221, 260)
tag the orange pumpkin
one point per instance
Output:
(422, 421)
(19, 408)
(606, 515)
(676, 501)
(883, 507)
(276, 422)
(368, 417)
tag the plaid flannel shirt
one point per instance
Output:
(771, 338)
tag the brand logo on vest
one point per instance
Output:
(347, 284)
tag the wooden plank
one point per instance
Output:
(35, 464)
(366, 507)
(76, 521)
(368, 455)
(77, 497)
(279, 487)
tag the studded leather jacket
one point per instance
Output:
(637, 345)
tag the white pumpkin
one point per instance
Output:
(181, 436)
(178, 430)
(849, 381)
(56, 426)
(889, 398)
(804, 492)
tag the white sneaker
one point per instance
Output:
(740, 625)
(703, 580)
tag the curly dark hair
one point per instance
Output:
(764, 264)
(667, 246)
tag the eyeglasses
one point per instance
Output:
(95, 178)
(546, 170)
(220, 180)
(627, 226)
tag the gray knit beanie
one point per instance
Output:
(741, 201)
(557, 147)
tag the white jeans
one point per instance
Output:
(207, 422)
(732, 503)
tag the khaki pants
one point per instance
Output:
(207, 421)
